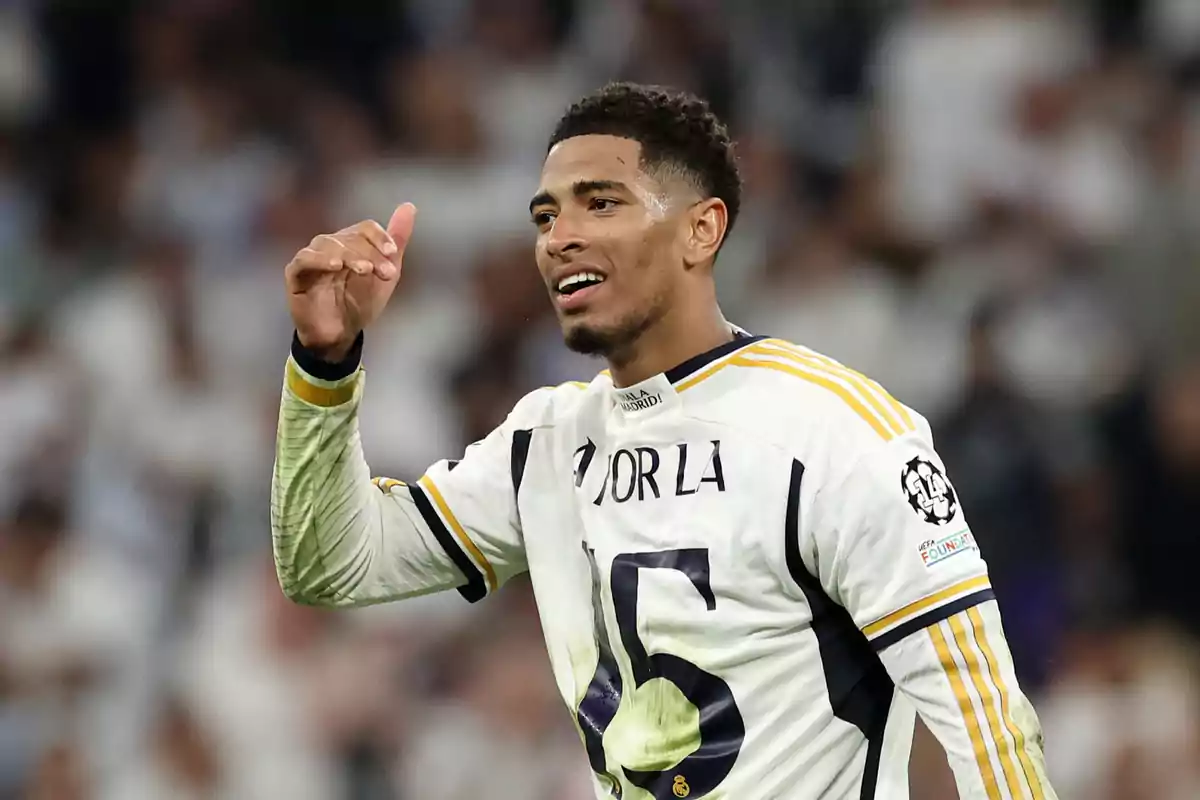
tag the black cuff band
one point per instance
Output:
(327, 370)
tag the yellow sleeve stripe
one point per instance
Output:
(465, 540)
(841, 391)
(982, 687)
(875, 394)
(323, 396)
(1018, 736)
(916, 607)
(385, 484)
(982, 758)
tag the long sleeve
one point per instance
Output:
(958, 673)
(343, 538)
(892, 545)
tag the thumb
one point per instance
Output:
(400, 226)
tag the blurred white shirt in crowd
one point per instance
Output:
(1123, 719)
(407, 418)
(248, 668)
(38, 405)
(210, 193)
(23, 81)
(462, 209)
(97, 610)
(948, 82)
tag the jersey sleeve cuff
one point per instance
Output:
(322, 383)
(930, 610)
(323, 370)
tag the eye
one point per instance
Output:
(543, 218)
(602, 204)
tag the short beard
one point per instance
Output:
(616, 343)
(590, 341)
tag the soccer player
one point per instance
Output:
(751, 567)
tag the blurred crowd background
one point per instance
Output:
(991, 206)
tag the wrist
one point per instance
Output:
(328, 363)
(332, 354)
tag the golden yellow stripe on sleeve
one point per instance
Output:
(869, 388)
(1011, 779)
(323, 396)
(982, 759)
(1018, 737)
(841, 391)
(916, 607)
(856, 380)
(460, 532)
(385, 484)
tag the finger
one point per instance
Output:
(400, 226)
(311, 260)
(364, 257)
(328, 245)
(374, 233)
(337, 246)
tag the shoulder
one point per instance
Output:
(548, 405)
(813, 406)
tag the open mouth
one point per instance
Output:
(578, 282)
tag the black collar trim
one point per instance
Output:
(696, 363)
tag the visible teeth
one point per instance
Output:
(579, 277)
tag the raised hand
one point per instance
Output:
(342, 281)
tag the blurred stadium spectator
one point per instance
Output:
(989, 205)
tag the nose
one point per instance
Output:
(565, 239)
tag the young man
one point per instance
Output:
(751, 568)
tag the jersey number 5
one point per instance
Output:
(721, 727)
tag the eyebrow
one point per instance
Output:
(578, 189)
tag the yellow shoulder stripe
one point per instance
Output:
(323, 396)
(855, 381)
(460, 531)
(708, 372)
(841, 391)
(875, 394)
(887, 416)
(914, 608)
(982, 758)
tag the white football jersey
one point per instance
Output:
(752, 571)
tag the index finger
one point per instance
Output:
(374, 233)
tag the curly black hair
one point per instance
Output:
(677, 131)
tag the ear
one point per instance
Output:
(706, 223)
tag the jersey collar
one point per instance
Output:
(660, 392)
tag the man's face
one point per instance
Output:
(608, 229)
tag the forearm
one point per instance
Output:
(340, 539)
(959, 675)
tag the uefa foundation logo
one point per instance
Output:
(929, 493)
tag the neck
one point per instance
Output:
(675, 338)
